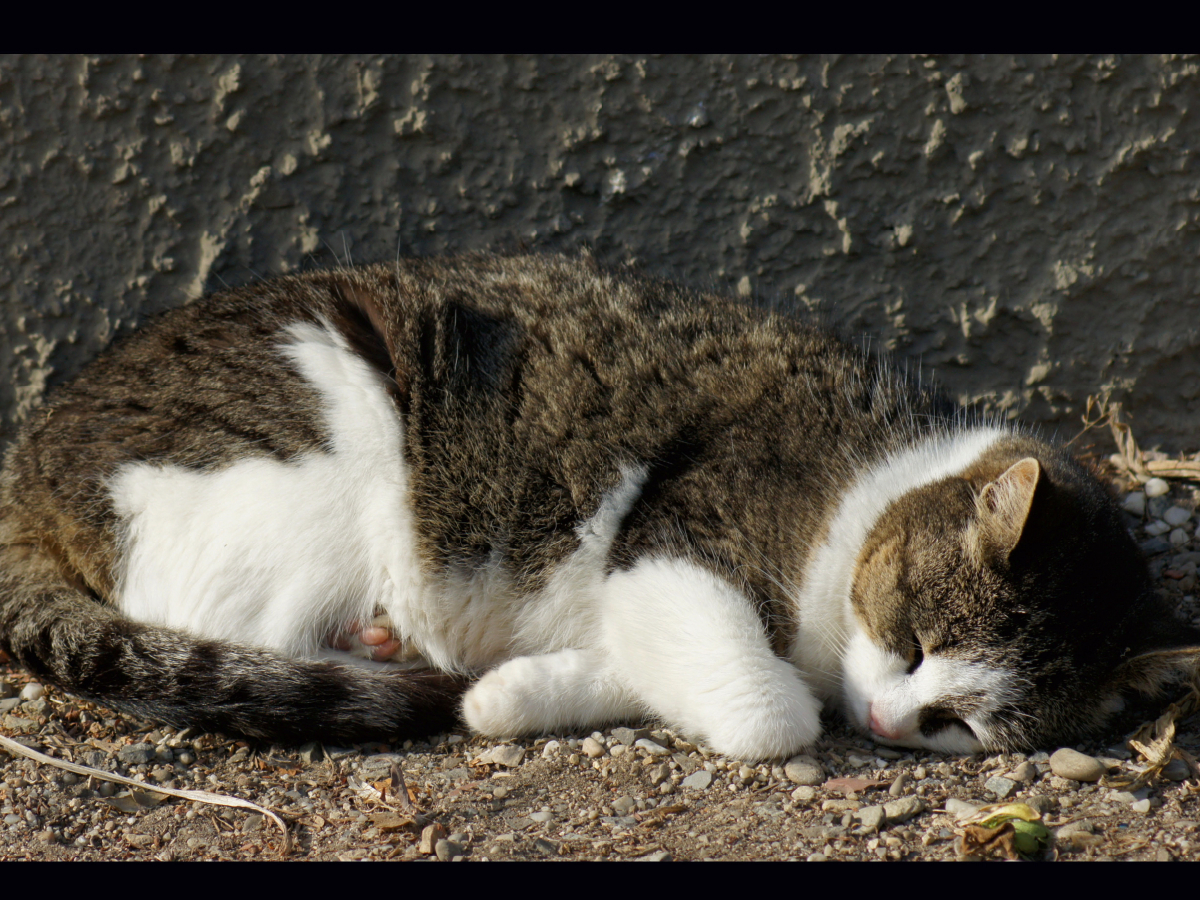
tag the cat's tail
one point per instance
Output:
(65, 637)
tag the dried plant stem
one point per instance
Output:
(19, 749)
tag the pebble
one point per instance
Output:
(871, 817)
(32, 691)
(1024, 773)
(499, 792)
(1068, 763)
(545, 847)
(552, 748)
(1002, 787)
(629, 736)
(651, 747)
(624, 805)
(656, 856)
(429, 838)
(1176, 516)
(960, 809)
(1043, 803)
(508, 755)
(1177, 537)
(1154, 546)
(592, 747)
(446, 850)
(1135, 503)
(804, 794)
(136, 754)
(541, 817)
(1156, 487)
(902, 810)
(311, 753)
(1140, 806)
(48, 837)
(896, 788)
(698, 780)
(1176, 770)
(804, 770)
(1125, 798)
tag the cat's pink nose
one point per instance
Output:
(877, 727)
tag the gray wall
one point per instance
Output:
(1026, 227)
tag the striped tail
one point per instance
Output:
(67, 638)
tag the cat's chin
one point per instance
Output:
(951, 739)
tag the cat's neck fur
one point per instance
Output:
(822, 602)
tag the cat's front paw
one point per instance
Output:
(755, 719)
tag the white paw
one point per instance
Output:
(495, 706)
(753, 718)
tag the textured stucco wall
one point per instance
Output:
(1026, 226)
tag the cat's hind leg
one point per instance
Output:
(692, 647)
(549, 692)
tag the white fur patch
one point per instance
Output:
(275, 553)
(877, 684)
(693, 648)
(826, 619)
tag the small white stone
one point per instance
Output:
(652, 747)
(508, 755)
(1156, 487)
(592, 747)
(1135, 503)
(1157, 527)
(1071, 764)
(1178, 536)
(1140, 806)
(1176, 516)
(552, 748)
(32, 691)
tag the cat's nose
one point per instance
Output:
(877, 727)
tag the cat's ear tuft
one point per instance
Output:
(1004, 505)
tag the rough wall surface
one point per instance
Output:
(1026, 227)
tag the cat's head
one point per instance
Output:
(1006, 608)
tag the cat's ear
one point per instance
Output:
(1163, 655)
(1003, 508)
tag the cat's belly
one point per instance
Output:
(280, 554)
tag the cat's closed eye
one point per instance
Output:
(916, 657)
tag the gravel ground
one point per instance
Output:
(633, 793)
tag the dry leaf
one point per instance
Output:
(136, 801)
(389, 821)
(1155, 743)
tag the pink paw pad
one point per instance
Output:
(372, 640)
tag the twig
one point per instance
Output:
(196, 796)
(400, 789)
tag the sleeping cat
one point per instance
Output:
(321, 506)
